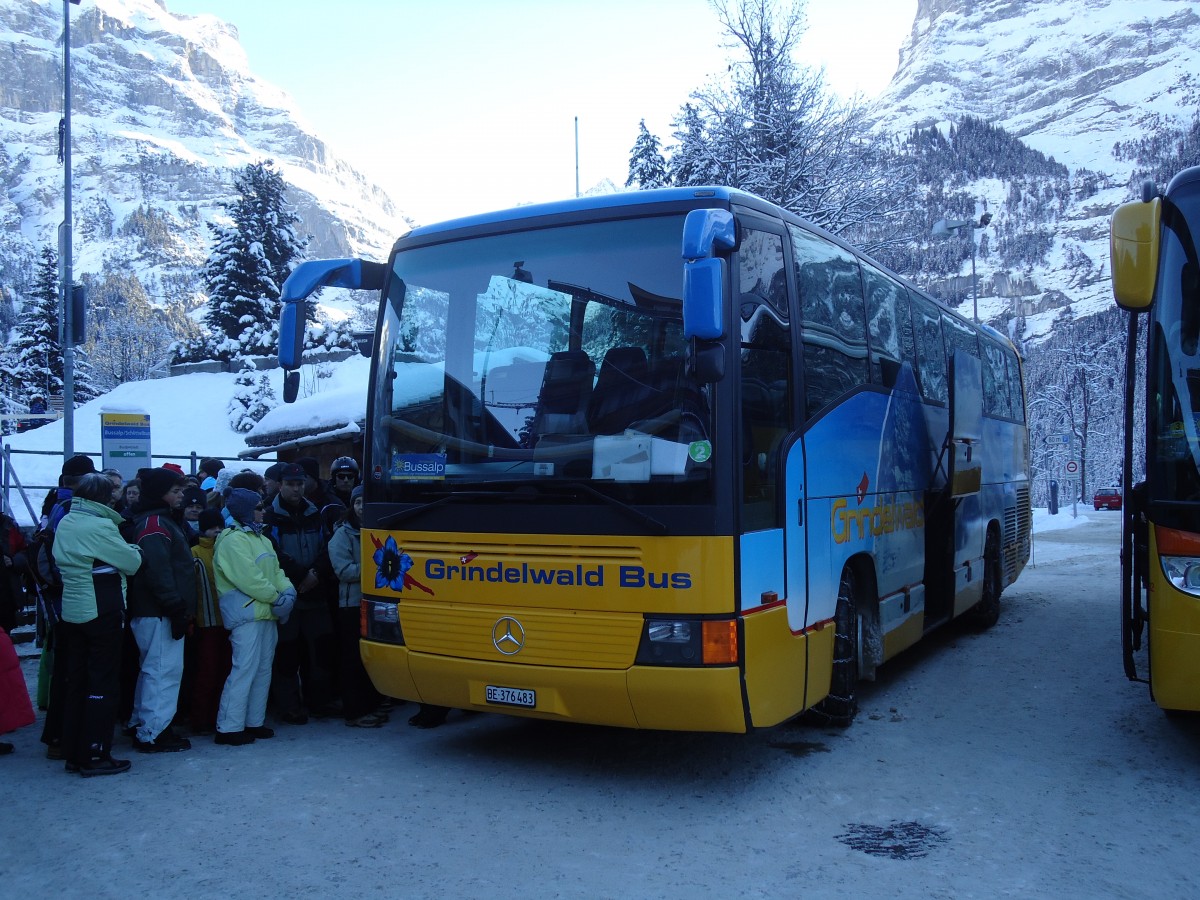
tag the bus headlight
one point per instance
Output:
(688, 642)
(379, 620)
(1183, 572)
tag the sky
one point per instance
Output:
(463, 106)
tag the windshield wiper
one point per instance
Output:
(455, 497)
(652, 524)
(527, 492)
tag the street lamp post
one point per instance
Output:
(944, 228)
(66, 276)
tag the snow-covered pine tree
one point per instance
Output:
(250, 259)
(83, 381)
(691, 161)
(34, 353)
(647, 165)
(252, 399)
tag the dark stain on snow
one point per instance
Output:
(898, 840)
(800, 748)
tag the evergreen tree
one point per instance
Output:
(252, 399)
(34, 353)
(691, 163)
(250, 259)
(647, 166)
(83, 382)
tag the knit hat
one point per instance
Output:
(356, 493)
(77, 465)
(241, 504)
(174, 467)
(211, 466)
(223, 478)
(211, 518)
(155, 485)
(311, 467)
(194, 496)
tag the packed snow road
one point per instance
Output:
(1017, 762)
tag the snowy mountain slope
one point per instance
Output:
(165, 110)
(1070, 78)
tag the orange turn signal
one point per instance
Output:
(720, 641)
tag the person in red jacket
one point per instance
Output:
(12, 564)
(15, 709)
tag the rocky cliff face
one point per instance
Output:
(1070, 78)
(165, 110)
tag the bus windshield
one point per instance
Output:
(549, 355)
(1174, 456)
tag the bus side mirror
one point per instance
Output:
(1134, 249)
(705, 232)
(291, 386)
(703, 288)
(706, 361)
(304, 281)
(291, 334)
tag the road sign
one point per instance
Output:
(1072, 467)
(125, 442)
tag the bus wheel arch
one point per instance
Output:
(858, 644)
(986, 612)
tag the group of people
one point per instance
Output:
(206, 598)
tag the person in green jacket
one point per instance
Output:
(254, 593)
(94, 559)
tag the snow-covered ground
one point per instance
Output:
(1017, 762)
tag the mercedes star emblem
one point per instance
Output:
(508, 635)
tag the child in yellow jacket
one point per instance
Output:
(253, 593)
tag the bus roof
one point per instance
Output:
(671, 199)
(668, 197)
(1182, 179)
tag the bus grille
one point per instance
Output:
(1018, 520)
(551, 637)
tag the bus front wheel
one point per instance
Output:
(840, 707)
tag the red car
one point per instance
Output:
(1107, 498)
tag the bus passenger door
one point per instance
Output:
(954, 571)
(771, 467)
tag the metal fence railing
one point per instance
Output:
(30, 495)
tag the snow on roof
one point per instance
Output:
(188, 414)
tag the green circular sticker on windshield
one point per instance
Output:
(699, 451)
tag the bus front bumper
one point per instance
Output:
(1175, 669)
(667, 698)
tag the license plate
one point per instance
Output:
(508, 696)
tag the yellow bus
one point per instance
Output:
(1156, 270)
(672, 459)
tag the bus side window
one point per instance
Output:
(889, 330)
(833, 319)
(959, 336)
(931, 352)
(995, 382)
(766, 374)
(1016, 397)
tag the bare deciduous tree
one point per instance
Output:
(771, 127)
